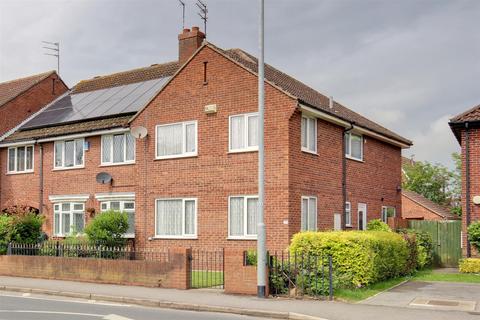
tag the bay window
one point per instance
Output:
(122, 206)
(20, 159)
(243, 132)
(118, 149)
(69, 154)
(176, 218)
(68, 218)
(242, 217)
(176, 140)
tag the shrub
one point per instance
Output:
(470, 265)
(378, 225)
(26, 228)
(359, 258)
(250, 258)
(424, 244)
(5, 222)
(474, 234)
(108, 228)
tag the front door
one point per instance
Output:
(362, 216)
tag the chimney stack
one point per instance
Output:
(188, 42)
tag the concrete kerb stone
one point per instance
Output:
(167, 304)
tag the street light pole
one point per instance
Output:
(261, 239)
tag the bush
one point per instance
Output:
(474, 234)
(5, 222)
(378, 225)
(424, 247)
(26, 228)
(359, 258)
(470, 265)
(108, 228)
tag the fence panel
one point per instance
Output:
(207, 269)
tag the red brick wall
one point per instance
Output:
(29, 102)
(413, 210)
(240, 279)
(474, 183)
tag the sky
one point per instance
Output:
(409, 65)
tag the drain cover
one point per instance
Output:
(443, 303)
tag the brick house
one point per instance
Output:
(466, 128)
(417, 207)
(192, 180)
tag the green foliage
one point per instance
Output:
(456, 186)
(424, 247)
(470, 265)
(251, 258)
(378, 225)
(26, 228)
(474, 234)
(108, 228)
(359, 258)
(5, 222)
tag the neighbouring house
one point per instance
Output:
(466, 128)
(23, 97)
(189, 175)
(417, 207)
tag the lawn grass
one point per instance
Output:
(429, 275)
(358, 294)
(206, 279)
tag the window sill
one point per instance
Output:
(116, 164)
(242, 238)
(354, 159)
(242, 151)
(174, 238)
(15, 173)
(68, 168)
(180, 156)
(310, 152)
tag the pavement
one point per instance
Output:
(216, 301)
(431, 295)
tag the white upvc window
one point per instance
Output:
(69, 154)
(176, 140)
(68, 218)
(118, 149)
(309, 214)
(309, 134)
(122, 206)
(176, 218)
(242, 217)
(388, 212)
(20, 159)
(348, 214)
(243, 132)
(354, 146)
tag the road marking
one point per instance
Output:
(105, 317)
(111, 304)
(26, 295)
(115, 317)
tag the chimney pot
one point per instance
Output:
(195, 29)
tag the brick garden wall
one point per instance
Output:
(172, 274)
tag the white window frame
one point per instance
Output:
(308, 198)
(348, 212)
(365, 216)
(306, 149)
(348, 141)
(247, 148)
(184, 153)
(71, 213)
(15, 171)
(385, 213)
(245, 236)
(122, 209)
(183, 235)
(111, 163)
(62, 167)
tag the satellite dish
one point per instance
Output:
(104, 178)
(139, 132)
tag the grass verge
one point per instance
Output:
(429, 275)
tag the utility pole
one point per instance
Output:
(261, 232)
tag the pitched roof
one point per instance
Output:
(154, 71)
(407, 161)
(308, 95)
(472, 114)
(429, 205)
(72, 128)
(9, 90)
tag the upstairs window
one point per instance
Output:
(388, 212)
(176, 140)
(118, 149)
(309, 214)
(69, 218)
(20, 159)
(354, 146)
(243, 132)
(309, 134)
(69, 154)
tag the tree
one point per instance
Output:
(456, 192)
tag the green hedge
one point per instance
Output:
(470, 265)
(359, 258)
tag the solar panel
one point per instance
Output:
(99, 103)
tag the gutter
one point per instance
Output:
(344, 177)
(40, 173)
(467, 182)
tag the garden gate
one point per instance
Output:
(446, 236)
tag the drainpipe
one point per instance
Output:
(467, 182)
(40, 173)
(344, 176)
